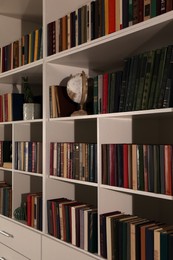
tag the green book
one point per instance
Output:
(136, 81)
(154, 78)
(168, 95)
(159, 77)
(163, 245)
(168, 61)
(125, 78)
(129, 84)
(141, 81)
(148, 78)
(153, 8)
(133, 81)
(92, 231)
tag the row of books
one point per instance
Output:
(25, 50)
(99, 18)
(73, 222)
(28, 156)
(74, 160)
(32, 205)
(124, 236)
(145, 83)
(146, 167)
(6, 154)
(11, 107)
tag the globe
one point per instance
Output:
(77, 90)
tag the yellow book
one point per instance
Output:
(36, 45)
(106, 17)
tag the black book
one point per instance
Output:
(93, 6)
(73, 29)
(7, 151)
(17, 106)
(92, 231)
(79, 26)
(103, 239)
(125, 13)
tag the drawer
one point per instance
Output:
(53, 250)
(8, 254)
(20, 239)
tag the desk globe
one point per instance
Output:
(77, 90)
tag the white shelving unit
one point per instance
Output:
(103, 54)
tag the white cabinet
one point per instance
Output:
(53, 250)
(20, 239)
(9, 254)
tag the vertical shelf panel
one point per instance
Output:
(115, 130)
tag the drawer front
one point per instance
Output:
(21, 239)
(54, 250)
(8, 254)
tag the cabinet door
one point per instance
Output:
(22, 239)
(8, 254)
(54, 250)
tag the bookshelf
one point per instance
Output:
(154, 126)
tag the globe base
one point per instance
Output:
(80, 112)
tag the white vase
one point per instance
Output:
(31, 111)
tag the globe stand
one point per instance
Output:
(81, 111)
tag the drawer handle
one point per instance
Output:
(5, 234)
(2, 258)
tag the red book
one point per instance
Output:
(105, 93)
(169, 5)
(168, 164)
(111, 10)
(125, 165)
